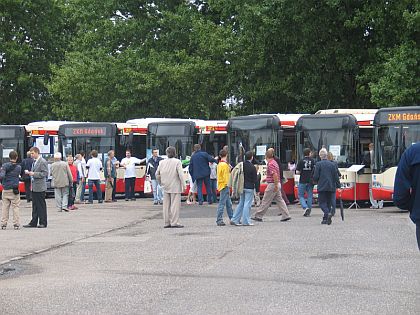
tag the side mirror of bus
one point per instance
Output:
(46, 138)
(122, 140)
(301, 138)
(356, 134)
(200, 139)
(211, 137)
(280, 136)
(31, 142)
(130, 139)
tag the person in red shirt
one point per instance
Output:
(273, 190)
(73, 187)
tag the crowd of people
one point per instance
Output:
(167, 177)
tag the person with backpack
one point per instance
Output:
(9, 177)
(305, 169)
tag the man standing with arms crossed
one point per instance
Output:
(272, 192)
(39, 174)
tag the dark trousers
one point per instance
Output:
(199, 182)
(213, 184)
(130, 184)
(28, 192)
(39, 209)
(325, 201)
(114, 189)
(72, 194)
(97, 184)
(418, 234)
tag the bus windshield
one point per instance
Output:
(257, 141)
(337, 141)
(182, 144)
(393, 141)
(7, 145)
(72, 146)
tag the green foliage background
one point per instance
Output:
(111, 60)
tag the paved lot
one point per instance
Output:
(117, 259)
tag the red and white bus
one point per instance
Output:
(395, 130)
(346, 133)
(257, 133)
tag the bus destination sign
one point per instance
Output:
(403, 117)
(85, 131)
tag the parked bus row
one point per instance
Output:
(345, 133)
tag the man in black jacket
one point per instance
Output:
(9, 176)
(326, 176)
(26, 165)
(152, 166)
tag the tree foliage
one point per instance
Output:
(118, 59)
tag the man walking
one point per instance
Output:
(170, 176)
(200, 172)
(129, 163)
(407, 185)
(26, 165)
(223, 174)
(245, 199)
(326, 176)
(110, 174)
(94, 167)
(272, 192)
(61, 181)
(9, 177)
(305, 169)
(152, 166)
(39, 174)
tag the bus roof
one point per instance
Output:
(352, 111)
(326, 121)
(397, 115)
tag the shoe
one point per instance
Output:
(108, 201)
(167, 226)
(234, 223)
(89, 202)
(210, 203)
(307, 212)
(100, 201)
(285, 219)
(256, 219)
(221, 223)
(249, 224)
(114, 200)
(75, 208)
(29, 226)
(329, 219)
(155, 202)
(126, 199)
(3, 227)
(67, 210)
(42, 226)
(200, 203)
(16, 226)
(179, 226)
(324, 221)
(161, 202)
(133, 199)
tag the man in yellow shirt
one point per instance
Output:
(223, 174)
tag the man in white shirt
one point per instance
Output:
(129, 164)
(94, 167)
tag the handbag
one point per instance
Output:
(147, 185)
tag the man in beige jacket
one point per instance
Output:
(61, 181)
(170, 176)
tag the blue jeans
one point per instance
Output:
(325, 201)
(157, 191)
(213, 185)
(199, 182)
(82, 193)
(224, 201)
(308, 188)
(244, 207)
(95, 182)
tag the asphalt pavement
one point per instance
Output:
(116, 258)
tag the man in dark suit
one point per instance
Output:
(26, 165)
(39, 174)
(200, 172)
